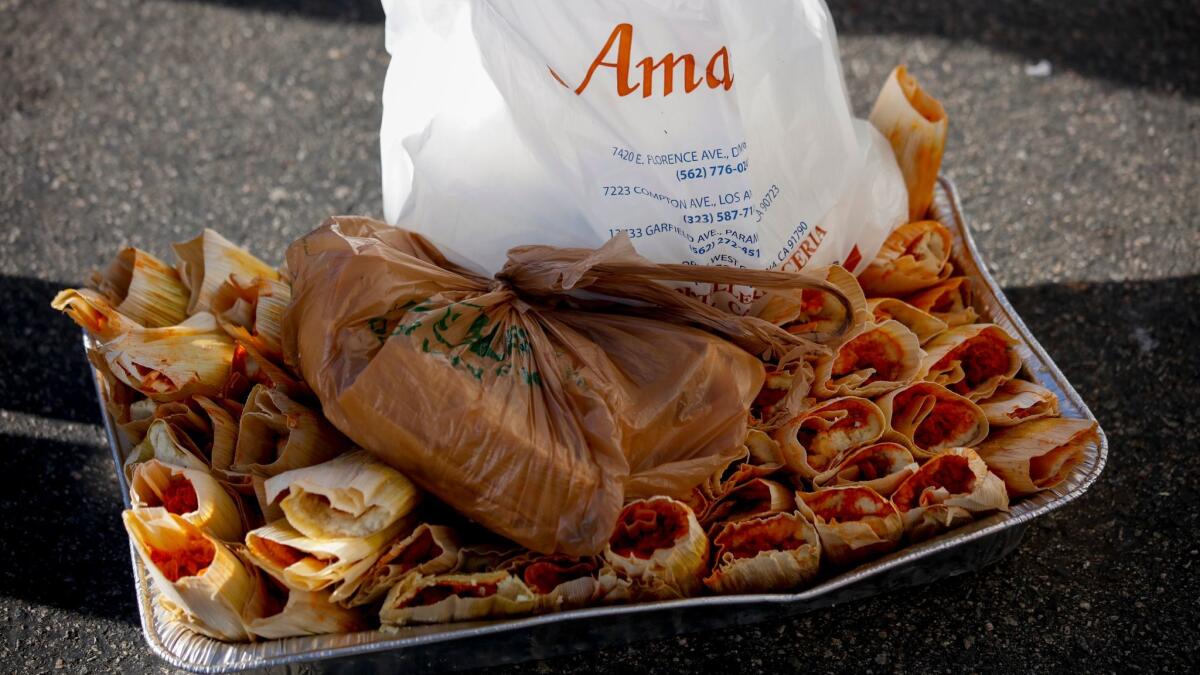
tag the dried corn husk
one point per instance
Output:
(251, 368)
(164, 364)
(275, 611)
(659, 546)
(1039, 454)
(879, 466)
(948, 490)
(762, 458)
(308, 564)
(855, 523)
(923, 324)
(813, 441)
(1017, 401)
(168, 445)
(874, 359)
(471, 596)
(155, 484)
(971, 360)
(277, 434)
(207, 261)
(929, 418)
(915, 124)
(755, 497)
(914, 256)
(143, 288)
(428, 550)
(207, 600)
(559, 582)
(354, 495)
(950, 300)
(760, 555)
(786, 388)
(251, 310)
(224, 432)
(810, 312)
(91, 311)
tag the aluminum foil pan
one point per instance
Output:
(467, 645)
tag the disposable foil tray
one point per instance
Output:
(468, 645)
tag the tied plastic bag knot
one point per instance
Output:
(535, 403)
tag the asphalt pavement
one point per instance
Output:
(1075, 143)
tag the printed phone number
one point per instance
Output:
(719, 216)
(700, 172)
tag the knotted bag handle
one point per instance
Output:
(616, 271)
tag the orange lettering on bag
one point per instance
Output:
(717, 74)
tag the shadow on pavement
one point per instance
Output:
(64, 544)
(43, 370)
(1131, 42)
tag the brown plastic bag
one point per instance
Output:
(525, 407)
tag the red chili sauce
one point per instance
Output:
(748, 538)
(192, 559)
(439, 591)
(873, 349)
(281, 554)
(947, 421)
(982, 356)
(645, 527)
(869, 465)
(846, 505)
(179, 497)
(545, 574)
(944, 471)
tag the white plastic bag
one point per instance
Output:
(711, 131)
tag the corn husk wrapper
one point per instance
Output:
(915, 125)
(428, 550)
(810, 312)
(277, 434)
(224, 433)
(950, 300)
(915, 255)
(855, 523)
(879, 466)
(216, 513)
(308, 564)
(779, 552)
(756, 497)
(474, 596)
(165, 364)
(275, 611)
(251, 367)
(93, 312)
(168, 445)
(168, 364)
(143, 288)
(762, 457)
(137, 416)
(639, 550)
(1039, 454)
(929, 418)
(354, 495)
(210, 601)
(874, 359)
(251, 310)
(923, 324)
(1017, 401)
(948, 490)
(971, 360)
(207, 261)
(560, 582)
(812, 442)
(786, 388)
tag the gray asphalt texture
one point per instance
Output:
(140, 122)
